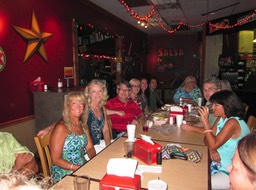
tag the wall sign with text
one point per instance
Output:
(167, 58)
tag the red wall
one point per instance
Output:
(53, 16)
(186, 65)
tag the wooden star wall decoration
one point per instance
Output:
(35, 39)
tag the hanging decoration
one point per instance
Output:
(35, 39)
(2, 59)
(160, 21)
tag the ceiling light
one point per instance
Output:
(254, 41)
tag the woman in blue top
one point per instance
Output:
(188, 91)
(95, 115)
(223, 137)
(70, 138)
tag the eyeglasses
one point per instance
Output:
(124, 90)
(209, 90)
(136, 86)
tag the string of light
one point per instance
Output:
(160, 22)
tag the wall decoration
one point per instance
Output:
(35, 39)
(167, 59)
(2, 59)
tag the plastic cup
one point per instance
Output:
(157, 185)
(128, 149)
(189, 107)
(199, 102)
(179, 120)
(131, 132)
(81, 182)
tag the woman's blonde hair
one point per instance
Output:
(88, 98)
(133, 81)
(18, 181)
(187, 80)
(65, 114)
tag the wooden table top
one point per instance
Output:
(178, 174)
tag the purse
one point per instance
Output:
(175, 152)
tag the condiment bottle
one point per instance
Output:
(185, 110)
(181, 102)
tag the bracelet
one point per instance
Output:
(208, 131)
(71, 166)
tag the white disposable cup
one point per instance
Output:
(131, 132)
(157, 185)
(45, 87)
(81, 182)
(189, 107)
(179, 120)
(199, 101)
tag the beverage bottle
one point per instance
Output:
(181, 102)
(59, 83)
(185, 110)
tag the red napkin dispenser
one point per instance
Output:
(146, 151)
(36, 86)
(112, 182)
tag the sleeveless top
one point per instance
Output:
(96, 125)
(73, 151)
(227, 150)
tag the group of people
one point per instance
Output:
(84, 125)
(222, 123)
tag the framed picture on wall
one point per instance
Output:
(68, 72)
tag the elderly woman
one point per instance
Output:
(188, 91)
(242, 172)
(135, 89)
(70, 138)
(95, 115)
(223, 137)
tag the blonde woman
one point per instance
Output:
(96, 96)
(242, 172)
(188, 91)
(135, 89)
(70, 138)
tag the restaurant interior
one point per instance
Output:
(46, 42)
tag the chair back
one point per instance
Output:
(110, 126)
(43, 148)
(251, 122)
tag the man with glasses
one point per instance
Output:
(122, 103)
(210, 86)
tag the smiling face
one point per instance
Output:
(76, 107)
(144, 84)
(123, 93)
(238, 174)
(208, 90)
(96, 93)
(153, 84)
(135, 87)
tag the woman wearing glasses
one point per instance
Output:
(188, 91)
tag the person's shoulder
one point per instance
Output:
(60, 126)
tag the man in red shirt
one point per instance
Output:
(122, 103)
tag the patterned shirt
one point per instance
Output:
(73, 151)
(193, 94)
(96, 125)
(9, 148)
(130, 108)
